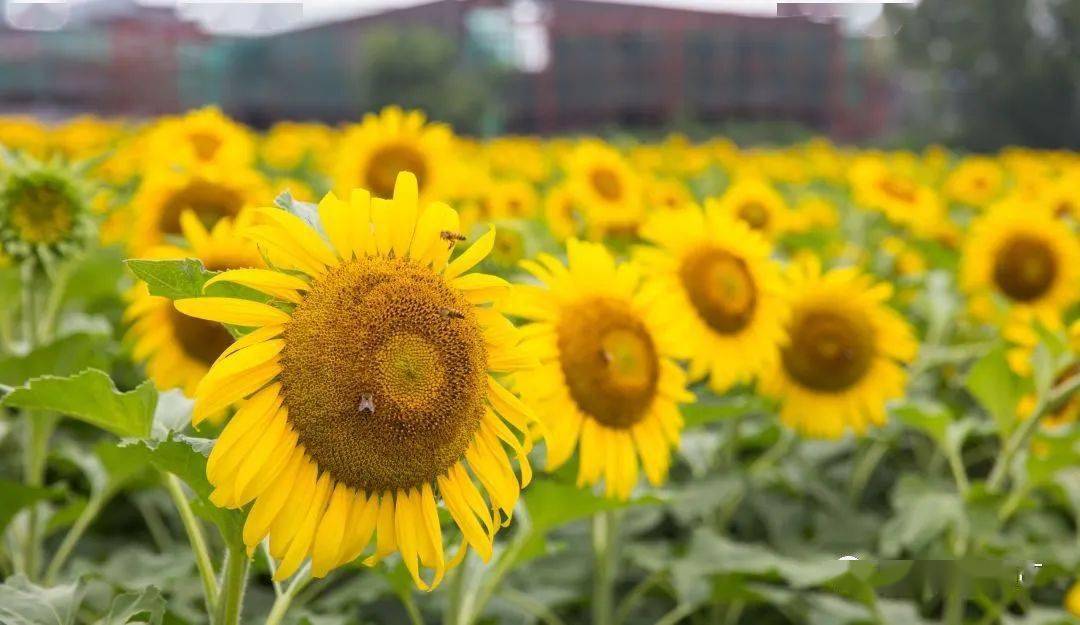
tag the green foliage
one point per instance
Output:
(90, 397)
(996, 387)
(423, 68)
(15, 496)
(1005, 71)
(23, 603)
(185, 457)
(180, 279)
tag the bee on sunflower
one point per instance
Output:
(843, 355)
(367, 389)
(718, 289)
(372, 154)
(176, 349)
(44, 213)
(1020, 258)
(607, 383)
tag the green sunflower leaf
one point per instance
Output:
(997, 389)
(146, 604)
(90, 397)
(185, 278)
(15, 496)
(174, 279)
(65, 356)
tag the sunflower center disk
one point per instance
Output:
(898, 189)
(201, 340)
(385, 165)
(209, 202)
(383, 373)
(829, 351)
(1025, 268)
(754, 214)
(205, 144)
(609, 361)
(606, 184)
(721, 289)
(41, 215)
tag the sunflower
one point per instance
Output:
(1062, 197)
(24, 134)
(509, 199)
(176, 349)
(718, 290)
(204, 137)
(369, 388)
(667, 193)
(843, 355)
(976, 181)
(289, 146)
(607, 382)
(1027, 258)
(561, 213)
(211, 193)
(373, 153)
(44, 213)
(901, 198)
(754, 201)
(606, 188)
(84, 136)
(1072, 599)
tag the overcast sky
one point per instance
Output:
(225, 15)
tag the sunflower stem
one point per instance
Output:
(1049, 402)
(473, 604)
(413, 612)
(864, 468)
(47, 323)
(197, 540)
(63, 552)
(38, 430)
(605, 537)
(285, 599)
(233, 584)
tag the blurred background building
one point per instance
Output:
(541, 66)
(555, 66)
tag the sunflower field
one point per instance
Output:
(384, 373)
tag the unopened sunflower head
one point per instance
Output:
(368, 388)
(44, 213)
(607, 384)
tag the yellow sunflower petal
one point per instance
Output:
(239, 312)
(469, 258)
(276, 283)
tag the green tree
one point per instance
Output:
(422, 68)
(1009, 68)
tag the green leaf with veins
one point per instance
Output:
(90, 397)
(145, 604)
(184, 278)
